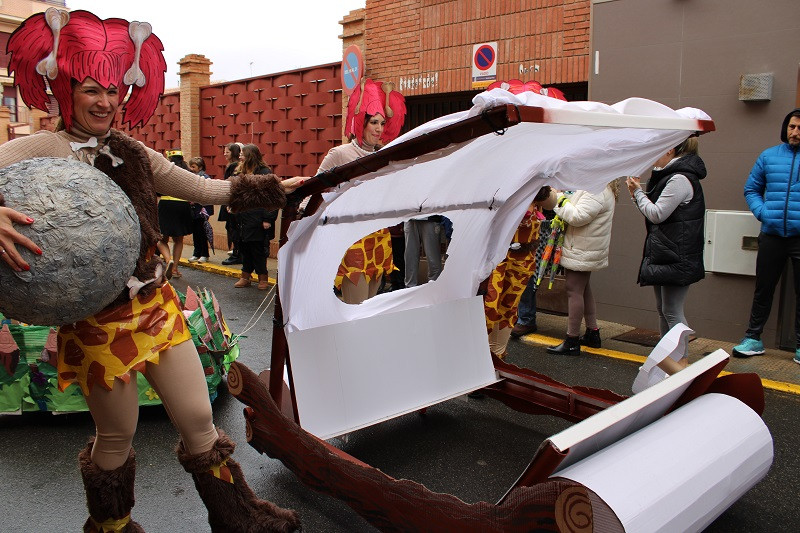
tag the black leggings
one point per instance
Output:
(773, 251)
(199, 238)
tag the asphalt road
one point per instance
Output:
(473, 449)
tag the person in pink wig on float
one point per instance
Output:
(375, 115)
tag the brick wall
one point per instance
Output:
(294, 117)
(163, 130)
(428, 43)
(353, 29)
(353, 33)
(195, 73)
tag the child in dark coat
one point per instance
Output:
(255, 226)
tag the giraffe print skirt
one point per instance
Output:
(109, 345)
(506, 284)
(371, 256)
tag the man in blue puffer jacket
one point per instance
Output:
(773, 194)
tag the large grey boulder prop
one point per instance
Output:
(89, 235)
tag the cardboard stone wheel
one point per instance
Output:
(89, 234)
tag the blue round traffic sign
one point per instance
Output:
(352, 68)
(484, 57)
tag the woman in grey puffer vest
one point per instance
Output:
(674, 210)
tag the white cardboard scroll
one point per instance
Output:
(682, 471)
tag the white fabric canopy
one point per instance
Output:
(483, 185)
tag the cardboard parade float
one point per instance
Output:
(28, 376)
(615, 469)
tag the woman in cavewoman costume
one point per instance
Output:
(90, 64)
(375, 115)
(508, 280)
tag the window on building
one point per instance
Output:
(10, 101)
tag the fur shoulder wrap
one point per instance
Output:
(250, 191)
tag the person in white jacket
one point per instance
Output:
(586, 243)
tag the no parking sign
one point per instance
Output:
(352, 68)
(484, 65)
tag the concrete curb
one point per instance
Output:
(221, 270)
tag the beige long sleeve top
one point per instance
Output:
(340, 155)
(169, 179)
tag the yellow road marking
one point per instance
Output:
(544, 340)
(222, 270)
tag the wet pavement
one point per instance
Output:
(473, 449)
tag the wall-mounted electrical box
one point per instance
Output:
(755, 87)
(731, 242)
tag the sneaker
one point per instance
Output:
(797, 356)
(748, 348)
(201, 259)
(522, 329)
(193, 259)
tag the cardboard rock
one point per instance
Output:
(89, 235)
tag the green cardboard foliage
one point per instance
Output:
(34, 383)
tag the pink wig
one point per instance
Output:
(63, 47)
(518, 86)
(375, 98)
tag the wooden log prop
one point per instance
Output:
(403, 505)
(528, 391)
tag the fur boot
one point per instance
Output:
(109, 494)
(244, 281)
(232, 505)
(263, 282)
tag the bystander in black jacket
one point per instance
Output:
(673, 249)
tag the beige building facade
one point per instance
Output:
(15, 117)
(739, 61)
(677, 52)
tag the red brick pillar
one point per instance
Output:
(5, 120)
(195, 72)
